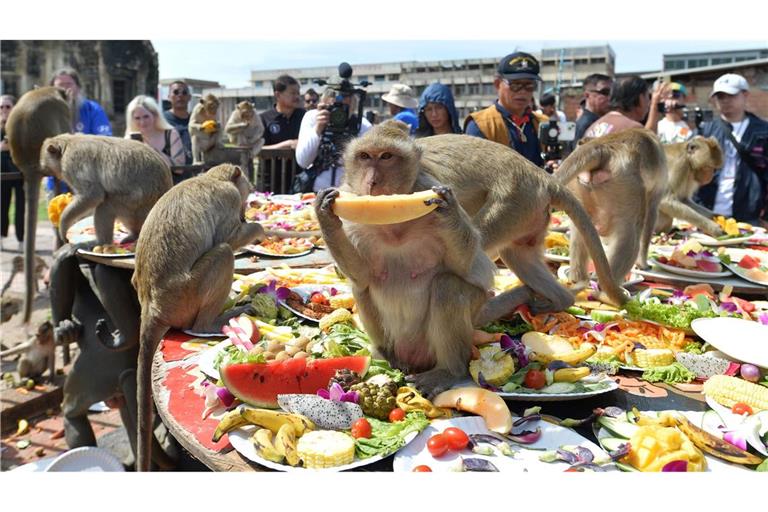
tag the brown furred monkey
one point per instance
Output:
(184, 268)
(420, 285)
(621, 178)
(204, 139)
(509, 200)
(245, 127)
(690, 164)
(39, 114)
(112, 177)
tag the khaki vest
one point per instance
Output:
(491, 123)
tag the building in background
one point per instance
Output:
(111, 72)
(678, 61)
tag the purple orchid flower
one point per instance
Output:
(763, 318)
(336, 392)
(279, 293)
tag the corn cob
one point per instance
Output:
(653, 357)
(728, 391)
(338, 316)
(325, 449)
(346, 301)
(495, 365)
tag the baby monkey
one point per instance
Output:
(421, 285)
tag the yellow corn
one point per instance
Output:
(653, 357)
(325, 449)
(728, 391)
(346, 301)
(338, 316)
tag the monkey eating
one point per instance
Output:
(204, 129)
(420, 285)
(620, 180)
(111, 177)
(509, 201)
(245, 128)
(690, 164)
(39, 114)
(184, 268)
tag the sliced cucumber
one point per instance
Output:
(558, 388)
(604, 316)
(612, 443)
(617, 427)
(575, 310)
(626, 467)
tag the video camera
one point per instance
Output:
(553, 135)
(342, 124)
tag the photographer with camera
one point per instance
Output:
(325, 131)
(738, 189)
(673, 127)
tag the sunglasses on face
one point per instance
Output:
(180, 92)
(605, 91)
(519, 86)
(311, 100)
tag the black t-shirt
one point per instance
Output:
(278, 128)
(584, 122)
(181, 126)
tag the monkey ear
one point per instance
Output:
(690, 148)
(53, 149)
(236, 173)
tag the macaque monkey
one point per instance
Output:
(245, 128)
(112, 177)
(208, 137)
(509, 200)
(184, 268)
(17, 267)
(691, 164)
(621, 178)
(38, 354)
(420, 285)
(39, 114)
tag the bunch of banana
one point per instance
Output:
(269, 419)
(548, 347)
(570, 374)
(283, 446)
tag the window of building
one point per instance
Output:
(488, 89)
(696, 63)
(740, 59)
(474, 89)
(722, 60)
(119, 95)
(458, 90)
(473, 66)
(598, 60)
(378, 78)
(420, 69)
(362, 77)
(393, 77)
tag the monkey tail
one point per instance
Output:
(565, 200)
(32, 178)
(152, 331)
(588, 157)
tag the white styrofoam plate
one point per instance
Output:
(86, 458)
(744, 340)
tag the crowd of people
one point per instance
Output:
(298, 122)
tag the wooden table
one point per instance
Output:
(180, 408)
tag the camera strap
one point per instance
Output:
(743, 152)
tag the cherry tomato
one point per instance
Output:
(361, 428)
(396, 414)
(422, 469)
(741, 408)
(535, 379)
(456, 438)
(319, 298)
(437, 445)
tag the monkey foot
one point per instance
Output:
(432, 382)
(544, 305)
(67, 331)
(111, 340)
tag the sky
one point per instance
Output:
(230, 62)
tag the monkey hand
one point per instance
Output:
(446, 202)
(67, 331)
(432, 382)
(713, 229)
(324, 208)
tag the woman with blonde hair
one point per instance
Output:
(144, 121)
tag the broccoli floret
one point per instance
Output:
(265, 306)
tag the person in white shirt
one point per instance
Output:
(673, 128)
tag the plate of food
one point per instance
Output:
(631, 279)
(735, 233)
(744, 340)
(563, 391)
(312, 302)
(485, 452)
(115, 250)
(559, 221)
(691, 259)
(675, 269)
(750, 265)
(277, 247)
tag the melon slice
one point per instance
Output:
(480, 401)
(391, 209)
(258, 384)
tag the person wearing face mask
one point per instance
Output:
(738, 188)
(510, 120)
(437, 111)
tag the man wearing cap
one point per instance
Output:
(509, 120)
(673, 128)
(402, 105)
(738, 189)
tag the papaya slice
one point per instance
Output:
(384, 209)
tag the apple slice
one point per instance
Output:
(250, 329)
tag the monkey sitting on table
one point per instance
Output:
(184, 268)
(420, 286)
(691, 164)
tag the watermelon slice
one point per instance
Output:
(708, 266)
(258, 384)
(749, 262)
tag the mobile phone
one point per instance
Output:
(137, 136)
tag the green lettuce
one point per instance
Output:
(678, 317)
(388, 437)
(670, 374)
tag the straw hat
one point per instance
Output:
(402, 96)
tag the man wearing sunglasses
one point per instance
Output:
(597, 93)
(178, 115)
(509, 120)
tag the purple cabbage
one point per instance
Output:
(485, 384)
(516, 346)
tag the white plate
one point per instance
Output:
(305, 290)
(204, 334)
(86, 458)
(705, 239)
(559, 397)
(552, 437)
(557, 258)
(257, 249)
(714, 464)
(240, 439)
(688, 272)
(741, 339)
(741, 272)
(634, 277)
(36, 465)
(208, 356)
(102, 255)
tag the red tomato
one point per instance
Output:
(535, 379)
(457, 439)
(422, 469)
(741, 408)
(319, 298)
(361, 428)
(437, 445)
(396, 414)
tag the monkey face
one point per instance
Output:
(246, 112)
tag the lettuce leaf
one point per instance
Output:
(388, 437)
(669, 374)
(678, 317)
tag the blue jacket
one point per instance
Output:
(93, 121)
(437, 93)
(750, 184)
(408, 116)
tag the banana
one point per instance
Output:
(262, 440)
(573, 357)
(273, 420)
(231, 420)
(285, 444)
(715, 446)
(570, 374)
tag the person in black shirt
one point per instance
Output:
(178, 116)
(283, 120)
(597, 94)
